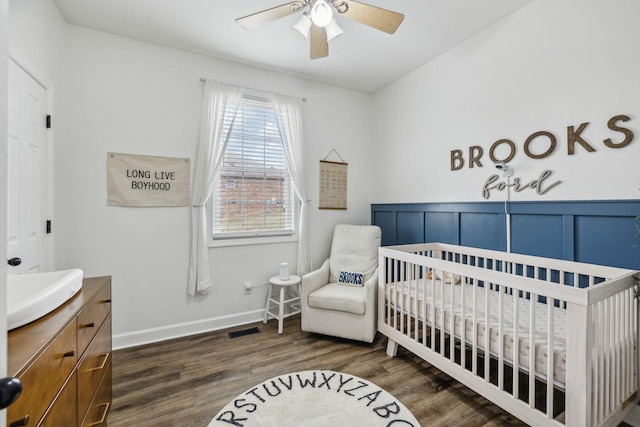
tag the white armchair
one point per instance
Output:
(339, 299)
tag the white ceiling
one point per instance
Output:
(362, 58)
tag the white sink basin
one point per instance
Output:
(31, 296)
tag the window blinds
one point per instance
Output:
(253, 195)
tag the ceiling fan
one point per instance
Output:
(318, 22)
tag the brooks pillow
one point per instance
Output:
(350, 278)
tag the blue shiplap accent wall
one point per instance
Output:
(598, 232)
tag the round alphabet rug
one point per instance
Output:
(313, 399)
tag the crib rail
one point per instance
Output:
(553, 342)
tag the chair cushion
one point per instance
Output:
(354, 248)
(332, 296)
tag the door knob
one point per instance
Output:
(10, 389)
(14, 262)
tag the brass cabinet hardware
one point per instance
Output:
(104, 415)
(21, 422)
(105, 357)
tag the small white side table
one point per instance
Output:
(292, 303)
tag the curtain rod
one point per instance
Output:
(202, 79)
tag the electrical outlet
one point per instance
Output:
(248, 288)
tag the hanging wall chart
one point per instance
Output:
(333, 183)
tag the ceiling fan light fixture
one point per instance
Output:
(321, 13)
(303, 26)
(318, 25)
(333, 29)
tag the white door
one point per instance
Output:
(27, 173)
(4, 13)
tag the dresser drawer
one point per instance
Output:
(92, 316)
(44, 378)
(93, 367)
(63, 410)
(99, 408)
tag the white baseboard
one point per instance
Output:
(163, 333)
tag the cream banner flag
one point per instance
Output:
(134, 180)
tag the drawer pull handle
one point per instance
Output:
(69, 353)
(21, 422)
(105, 357)
(104, 415)
(106, 301)
(88, 325)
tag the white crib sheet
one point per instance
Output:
(410, 305)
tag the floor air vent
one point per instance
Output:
(243, 332)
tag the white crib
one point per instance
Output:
(486, 317)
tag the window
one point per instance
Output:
(253, 193)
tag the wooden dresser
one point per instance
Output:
(64, 362)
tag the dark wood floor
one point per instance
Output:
(185, 382)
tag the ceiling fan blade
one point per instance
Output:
(319, 43)
(375, 17)
(256, 19)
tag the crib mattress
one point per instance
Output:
(402, 296)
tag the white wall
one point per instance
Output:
(35, 28)
(134, 97)
(550, 65)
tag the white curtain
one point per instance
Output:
(289, 115)
(214, 133)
